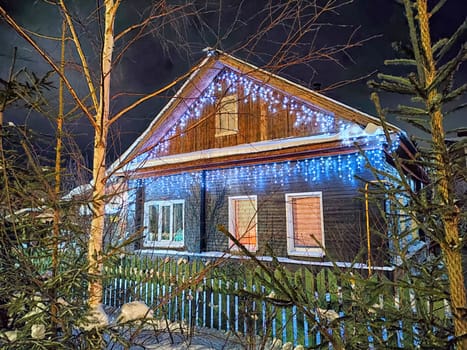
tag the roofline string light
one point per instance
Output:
(259, 177)
(228, 81)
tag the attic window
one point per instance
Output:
(227, 116)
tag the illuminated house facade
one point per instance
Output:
(270, 161)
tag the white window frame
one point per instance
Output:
(168, 243)
(312, 251)
(232, 221)
(227, 114)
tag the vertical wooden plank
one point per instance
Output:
(228, 301)
(211, 301)
(126, 275)
(199, 268)
(295, 340)
(284, 324)
(236, 306)
(309, 284)
(263, 121)
(332, 289)
(142, 281)
(159, 274)
(173, 289)
(219, 304)
(192, 295)
(259, 304)
(183, 280)
(248, 304)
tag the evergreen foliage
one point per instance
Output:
(437, 208)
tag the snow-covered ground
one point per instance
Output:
(160, 334)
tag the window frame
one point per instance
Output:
(233, 220)
(311, 251)
(227, 113)
(167, 243)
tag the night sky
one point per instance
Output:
(154, 61)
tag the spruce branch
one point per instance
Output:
(409, 111)
(401, 62)
(456, 108)
(446, 71)
(437, 7)
(439, 44)
(390, 87)
(395, 79)
(419, 123)
(452, 40)
(454, 94)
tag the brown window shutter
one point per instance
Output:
(307, 221)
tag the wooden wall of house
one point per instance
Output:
(256, 122)
(343, 211)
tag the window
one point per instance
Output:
(242, 221)
(227, 116)
(164, 223)
(305, 231)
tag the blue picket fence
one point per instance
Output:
(218, 294)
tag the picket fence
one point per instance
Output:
(227, 295)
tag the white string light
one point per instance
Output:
(259, 178)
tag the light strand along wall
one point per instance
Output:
(314, 170)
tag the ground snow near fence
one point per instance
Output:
(163, 334)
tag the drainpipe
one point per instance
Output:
(202, 213)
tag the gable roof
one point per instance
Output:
(202, 75)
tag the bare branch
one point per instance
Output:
(149, 96)
(18, 29)
(82, 57)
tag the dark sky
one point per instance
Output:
(148, 64)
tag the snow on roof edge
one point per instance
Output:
(260, 146)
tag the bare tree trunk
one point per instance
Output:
(58, 177)
(452, 243)
(100, 148)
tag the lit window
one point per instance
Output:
(242, 221)
(227, 116)
(305, 232)
(164, 223)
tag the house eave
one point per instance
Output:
(255, 153)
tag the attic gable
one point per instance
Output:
(222, 75)
(304, 118)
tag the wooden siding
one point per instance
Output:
(343, 212)
(256, 122)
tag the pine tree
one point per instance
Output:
(430, 83)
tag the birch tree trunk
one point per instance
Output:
(100, 148)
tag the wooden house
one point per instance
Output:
(270, 161)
